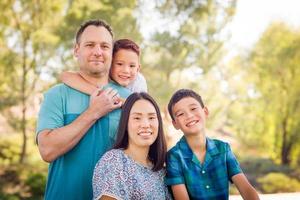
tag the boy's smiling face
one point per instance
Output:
(189, 116)
(125, 67)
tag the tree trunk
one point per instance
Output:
(24, 134)
(24, 107)
(286, 145)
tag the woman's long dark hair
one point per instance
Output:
(157, 152)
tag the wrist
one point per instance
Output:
(92, 115)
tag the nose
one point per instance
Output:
(97, 50)
(126, 69)
(145, 123)
(189, 115)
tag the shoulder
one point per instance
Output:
(139, 84)
(123, 92)
(112, 156)
(59, 90)
(56, 89)
(175, 149)
(219, 144)
(140, 77)
(178, 150)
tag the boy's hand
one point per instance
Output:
(103, 101)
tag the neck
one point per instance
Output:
(96, 80)
(197, 142)
(140, 155)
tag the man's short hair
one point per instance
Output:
(94, 22)
(180, 94)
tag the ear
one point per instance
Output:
(138, 68)
(175, 124)
(76, 50)
(205, 109)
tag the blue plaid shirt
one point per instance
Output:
(206, 181)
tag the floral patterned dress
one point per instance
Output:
(118, 176)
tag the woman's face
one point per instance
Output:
(142, 124)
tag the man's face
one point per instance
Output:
(94, 51)
(189, 116)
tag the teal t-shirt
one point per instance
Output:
(70, 175)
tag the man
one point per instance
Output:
(72, 131)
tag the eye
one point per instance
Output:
(120, 64)
(89, 45)
(153, 118)
(179, 115)
(136, 118)
(132, 66)
(105, 46)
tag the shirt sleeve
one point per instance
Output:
(106, 178)
(51, 111)
(174, 170)
(139, 84)
(233, 166)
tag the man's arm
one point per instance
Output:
(56, 142)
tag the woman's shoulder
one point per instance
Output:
(111, 158)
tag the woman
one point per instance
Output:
(133, 169)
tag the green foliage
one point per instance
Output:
(22, 182)
(278, 182)
(262, 166)
(275, 60)
(9, 151)
(36, 183)
(266, 111)
(194, 41)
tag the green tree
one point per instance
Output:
(270, 111)
(193, 42)
(29, 41)
(36, 39)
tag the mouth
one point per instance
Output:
(124, 77)
(192, 123)
(145, 133)
(97, 61)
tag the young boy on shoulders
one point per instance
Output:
(199, 167)
(125, 70)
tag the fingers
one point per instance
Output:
(97, 92)
(117, 105)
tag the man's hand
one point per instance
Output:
(103, 101)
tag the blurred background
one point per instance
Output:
(242, 57)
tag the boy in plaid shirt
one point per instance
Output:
(199, 167)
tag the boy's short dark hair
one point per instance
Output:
(126, 44)
(180, 94)
(94, 22)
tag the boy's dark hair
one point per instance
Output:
(94, 22)
(180, 94)
(126, 44)
(158, 149)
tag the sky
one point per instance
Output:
(253, 17)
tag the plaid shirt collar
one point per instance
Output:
(211, 151)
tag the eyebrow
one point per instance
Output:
(189, 105)
(94, 42)
(175, 113)
(138, 113)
